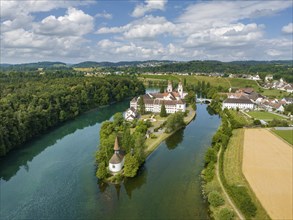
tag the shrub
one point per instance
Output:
(225, 214)
(102, 171)
(215, 199)
(256, 122)
(209, 172)
(131, 165)
(211, 155)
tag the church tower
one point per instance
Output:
(180, 90)
(169, 88)
(116, 146)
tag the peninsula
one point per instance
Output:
(131, 137)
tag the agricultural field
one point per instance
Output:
(214, 81)
(233, 169)
(266, 116)
(242, 83)
(85, 69)
(159, 77)
(287, 135)
(267, 166)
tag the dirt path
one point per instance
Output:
(240, 216)
(268, 168)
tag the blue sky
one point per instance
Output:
(75, 31)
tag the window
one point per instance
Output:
(113, 166)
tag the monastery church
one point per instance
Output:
(172, 99)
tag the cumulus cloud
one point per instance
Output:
(148, 6)
(22, 37)
(75, 22)
(145, 28)
(288, 29)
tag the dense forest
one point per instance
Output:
(30, 106)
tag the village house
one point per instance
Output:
(269, 78)
(130, 114)
(255, 77)
(173, 100)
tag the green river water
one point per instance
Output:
(53, 177)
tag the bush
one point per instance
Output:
(256, 122)
(153, 136)
(211, 155)
(278, 123)
(102, 171)
(131, 165)
(225, 214)
(215, 199)
(209, 172)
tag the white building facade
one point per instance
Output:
(173, 100)
(240, 103)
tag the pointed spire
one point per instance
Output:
(116, 145)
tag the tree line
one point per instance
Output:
(29, 107)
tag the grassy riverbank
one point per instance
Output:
(232, 169)
(153, 143)
(223, 172)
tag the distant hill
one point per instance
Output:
(208, 66)
(33, 66)
(88, 64)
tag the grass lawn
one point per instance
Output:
(266, 116)
(233, 169)
(275, 93)
(242, 83)
(214, 81)
(287, 135)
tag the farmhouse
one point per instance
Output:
(173, 100)
(117, 160)
(240, 103)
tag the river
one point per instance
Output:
(53, 177)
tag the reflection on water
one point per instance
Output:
(20, 157)
(54, 176)
(173, 141)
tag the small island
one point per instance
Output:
(131, 137)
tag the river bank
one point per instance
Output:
(54, 176)
(152, 144)
(223, 175)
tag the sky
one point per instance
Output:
(75, 31)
